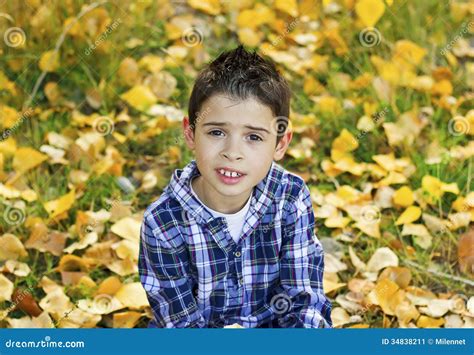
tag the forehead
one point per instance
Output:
(235, 112)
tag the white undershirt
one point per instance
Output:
(235, 221)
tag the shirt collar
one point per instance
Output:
(262, 195)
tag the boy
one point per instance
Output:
(231, 239)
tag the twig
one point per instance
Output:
(440, 274)
(60, 42)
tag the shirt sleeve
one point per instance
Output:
(163, 269)
(301, 271)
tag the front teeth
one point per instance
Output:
(229, 174)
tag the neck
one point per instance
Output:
(217, 202)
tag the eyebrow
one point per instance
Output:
(220, 124)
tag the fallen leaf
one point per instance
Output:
(400, 275)
(11, 248)
(60, 205)
(139, 97)
(403, 197)
(127, 228)
(369, 11)
(382, 258)
(6, 289)
(421, 235)
(411, 214)
(428, 322)
(126, 319)
(132, 295)
(27, 158)
(49, 61)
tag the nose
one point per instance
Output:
(231, 150)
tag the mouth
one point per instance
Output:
(229, 176)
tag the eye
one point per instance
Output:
(215, 132)
(255, 137)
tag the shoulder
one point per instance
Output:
(162, 216)
(291, 186)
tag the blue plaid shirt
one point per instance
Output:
(196, 276)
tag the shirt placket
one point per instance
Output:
(221, 235)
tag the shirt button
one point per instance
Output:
(241, 280)
(237, 254)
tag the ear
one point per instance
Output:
(282, 146)
(188, 133)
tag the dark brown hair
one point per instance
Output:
(241, 74)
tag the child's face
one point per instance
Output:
(236, 135)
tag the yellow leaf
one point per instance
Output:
(339, 317)
(139, 97)
(41, 321)
(369, 11)
(403, 197)
(435, 188)
(382, 258)
(328, 104)
(347, 163)
(128, 71)
(421, 235)
(27, 158)
(255, 17)
(9, 192)
(345, 142)
(372, 229)
(400, 275)
(336, 41)
(331, 282)
(411, 214)
(126, 319)
(392, 178)
(132, 295)
(211, 7)
(287, 6)
(386, 161)
(152, 63)
(406, 312)
(49, 61)
(6, 289)
(408, 53)
(249, 37)
(384, 291)
(11, 248)
(428, 322)
(336, 222)
(9, 116)
(60, 205)
(387, 70)
(7, 84)
(8, 146)
(127, 228)
(72, 263)
(109, 286)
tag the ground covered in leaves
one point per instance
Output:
(91, 99)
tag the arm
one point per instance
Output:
(163, 274)
(301, 271)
